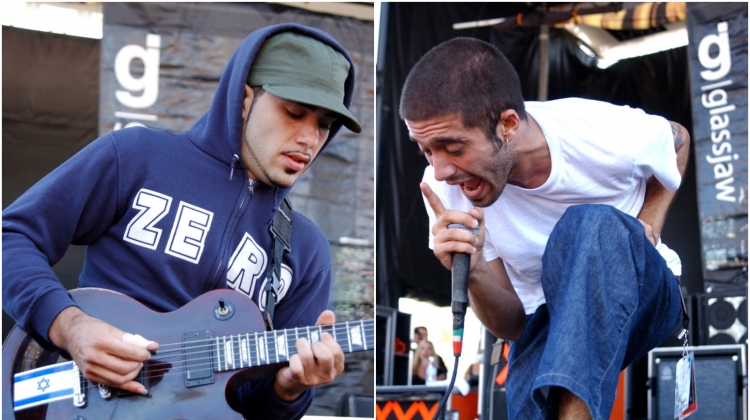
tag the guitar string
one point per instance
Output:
(252, 349)
(250, 337)
(252, 345)
(342, 340)
(338, 327)
(179, 346)
(251, 342)
(180, 368)
(239, 363)
(269, 358)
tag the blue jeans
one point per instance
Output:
(610, 299)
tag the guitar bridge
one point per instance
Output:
(79, 387)
(197, 355)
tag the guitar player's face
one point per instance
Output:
(280, 138)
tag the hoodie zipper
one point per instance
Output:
(226, 245)
(251, 183)
(235, 159)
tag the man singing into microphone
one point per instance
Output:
(570, 197)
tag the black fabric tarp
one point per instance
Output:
(50, 102)
(656, 83)
(50, 99)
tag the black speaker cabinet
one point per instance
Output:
(356, 406)
(723, 317)
(492, 383)
(409, 402)
(673, 340)
(720, 382)
(392, 337)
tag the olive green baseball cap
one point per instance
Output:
(302, 69)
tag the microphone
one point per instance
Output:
(459, 294)
(460, 299)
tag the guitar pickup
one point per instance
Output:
(197, 355)
(150, 375)
(106, 392)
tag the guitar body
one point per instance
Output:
(168, 398)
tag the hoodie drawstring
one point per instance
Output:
(235, 158)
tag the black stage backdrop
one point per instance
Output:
(50, 103)
(657, 83)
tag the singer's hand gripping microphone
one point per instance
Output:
(460, 296)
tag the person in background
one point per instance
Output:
(420, 334)
(473, 371)
(425, 349)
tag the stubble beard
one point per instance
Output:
(498, 171)
(269, 179)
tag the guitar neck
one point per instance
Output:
(270, 347)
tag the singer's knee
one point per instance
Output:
(589, 216)
(581, 222)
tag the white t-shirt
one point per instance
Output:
(601, 154)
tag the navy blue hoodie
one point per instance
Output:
(167, 217)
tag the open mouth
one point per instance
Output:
(472, 186)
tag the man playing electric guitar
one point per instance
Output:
(167, 217)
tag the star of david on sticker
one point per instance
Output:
(43, 384)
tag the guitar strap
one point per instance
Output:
(281, 235)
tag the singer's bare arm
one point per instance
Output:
(492, 296)
(658, 199)
(494, 300)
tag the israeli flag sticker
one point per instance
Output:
(44, 385)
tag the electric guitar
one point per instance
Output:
(207, 349)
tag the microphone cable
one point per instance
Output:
(459, 302)
(441, 407)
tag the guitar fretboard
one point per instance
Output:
(269, 347)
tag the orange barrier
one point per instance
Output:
(405, 410)
(467, 406)
(618, 409)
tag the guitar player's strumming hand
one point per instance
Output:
(312, 365)
(99, 350)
